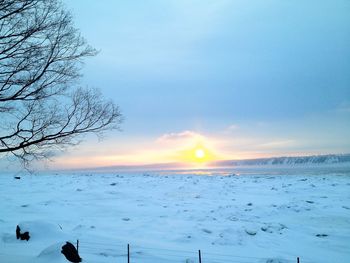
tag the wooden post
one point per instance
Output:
(298, 260)
(200, 256)
(128, 253)
(78, 245)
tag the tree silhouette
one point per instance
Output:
(41, 107)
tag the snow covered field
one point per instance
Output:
(257, 216)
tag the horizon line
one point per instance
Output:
(176, 166)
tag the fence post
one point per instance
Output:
(78, 245)
(128, 253)
(298, 260)
(200, 256)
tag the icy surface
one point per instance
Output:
(257, 217)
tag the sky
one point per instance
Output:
(236, 79)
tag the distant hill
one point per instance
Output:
(298, 160)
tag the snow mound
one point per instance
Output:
(40, 230)
(52, 254)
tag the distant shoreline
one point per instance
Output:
(312, 161)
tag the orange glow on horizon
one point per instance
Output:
(195, 157)
(182, 150)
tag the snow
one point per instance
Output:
(257, 216)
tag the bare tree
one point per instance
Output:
(41, 108)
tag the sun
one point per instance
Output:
(199, 153)
(196, 154)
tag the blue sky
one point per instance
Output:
(245, 78)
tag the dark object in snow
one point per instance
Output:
(70, 252)
(322, 235)
(250, 232)
(17, 177)
(18, 232)
(24, 236)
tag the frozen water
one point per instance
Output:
(257, 216)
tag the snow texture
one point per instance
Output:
(255, 217)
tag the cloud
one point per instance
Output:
(233, 127)
(181, 136)
(282, 144)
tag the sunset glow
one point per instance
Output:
(197, 155)
(177, 127)
(198, 96)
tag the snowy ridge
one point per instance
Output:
(299, 160)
